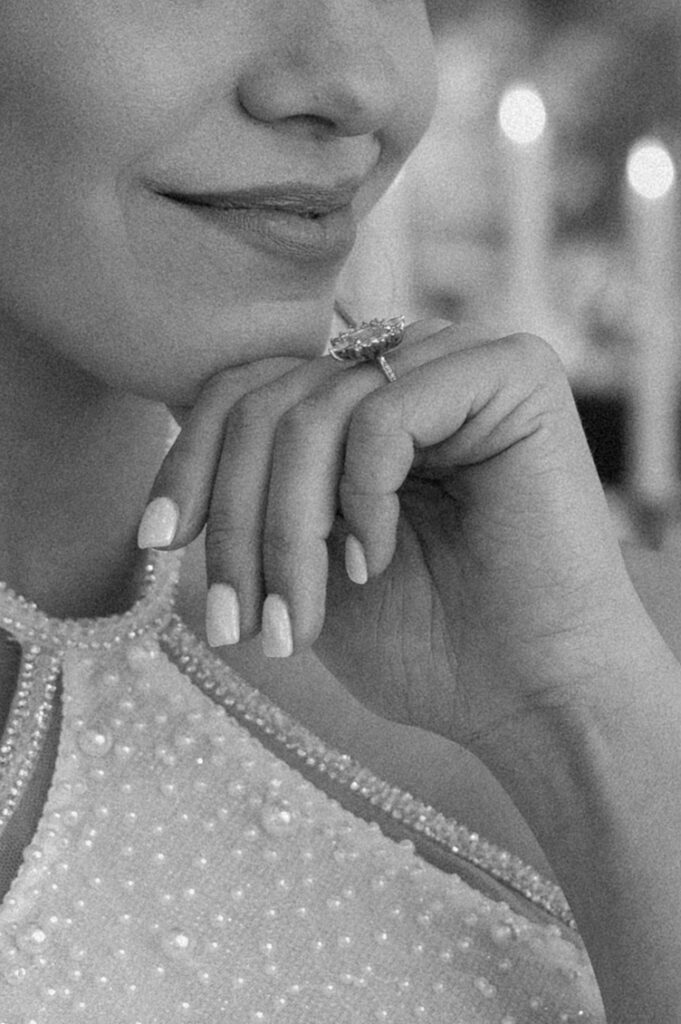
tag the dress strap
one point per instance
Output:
(294, 743)
(44, 641)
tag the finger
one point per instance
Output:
(240, 487)
(179, 499)
(239, 497)
(180, 494)
(306, 465)
(300, 511)
(460, 410)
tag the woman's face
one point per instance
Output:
(179, 178)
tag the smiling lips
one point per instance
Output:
(299, 221)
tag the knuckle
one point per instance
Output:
(375, 417)
(352, 488)
(279, 547)
(305, 418)
(298, 420)
(249, 414)
(536, 354)
(422, 329)
(225, 537)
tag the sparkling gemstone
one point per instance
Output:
(368, 340)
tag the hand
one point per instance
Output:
(494, 584)
(497, 609)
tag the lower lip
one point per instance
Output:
(329, 237)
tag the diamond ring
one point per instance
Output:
(368, 343)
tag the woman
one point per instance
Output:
(179, 186)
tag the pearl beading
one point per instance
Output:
(29, 625)
(27, 726)
(46, 640)
(180, 871)
(249, 706)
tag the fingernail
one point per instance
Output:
(159, 524)
(355, 560)
(277, 639)
(222, 615)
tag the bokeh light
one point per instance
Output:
(650, 169)
(522, 114)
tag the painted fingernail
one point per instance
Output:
(159, 524)
(222, 615)
(355, 560)
(277, 638)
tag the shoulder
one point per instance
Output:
(656, 576)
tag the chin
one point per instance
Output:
(172, 366)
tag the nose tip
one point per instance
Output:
(348, 84)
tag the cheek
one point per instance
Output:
(87, 89)
(416, 63)
(68, 123)
(82, 77)
(80, 101)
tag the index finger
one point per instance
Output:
(180, 495)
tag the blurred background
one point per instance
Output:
(546, 197)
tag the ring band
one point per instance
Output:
(368, 343)
(388, 371)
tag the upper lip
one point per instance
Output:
(294, 197)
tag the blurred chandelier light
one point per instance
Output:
(650, 169)
(522, 114)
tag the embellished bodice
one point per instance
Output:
(182, 871)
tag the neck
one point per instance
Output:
(77, 460)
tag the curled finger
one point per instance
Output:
(180, 495)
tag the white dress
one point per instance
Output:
(183, 871)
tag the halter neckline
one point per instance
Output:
(28, 624)
(49, 642)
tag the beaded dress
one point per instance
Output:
(183, 871)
